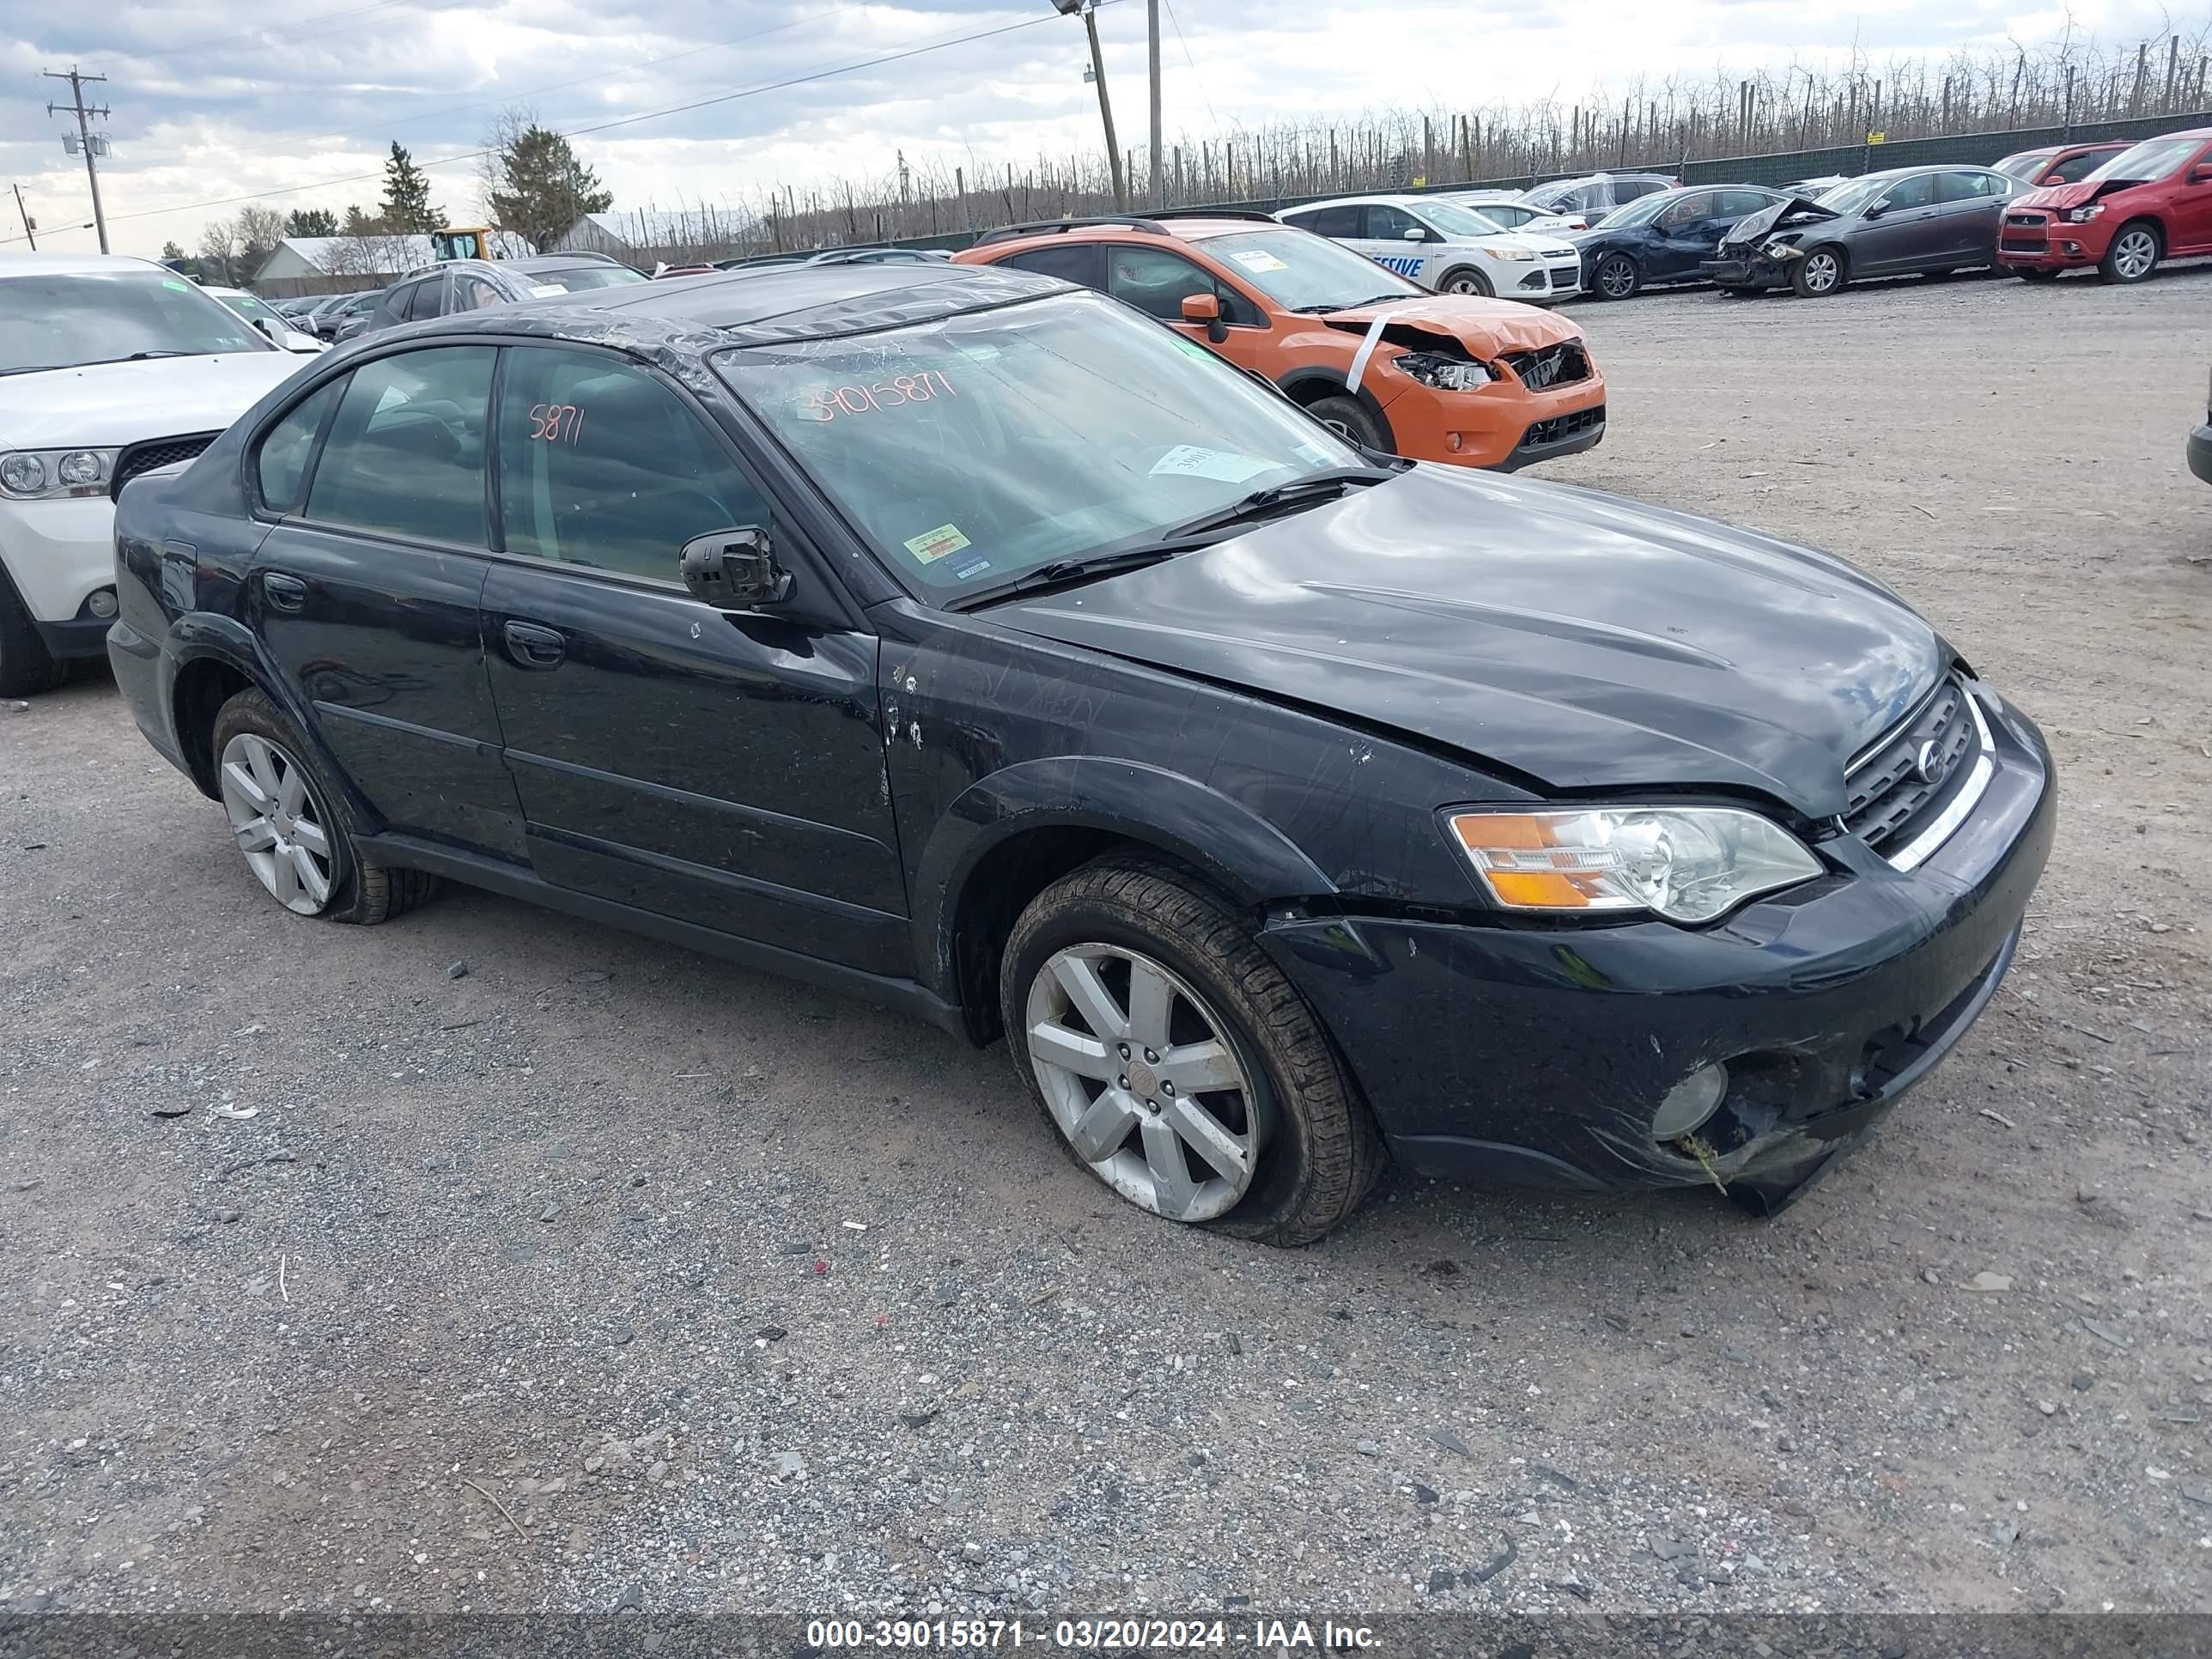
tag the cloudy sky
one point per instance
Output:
(207, 109)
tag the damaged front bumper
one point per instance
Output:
(1540, 1054)
(1741, 267)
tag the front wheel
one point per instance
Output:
(2133, 255)
(1347, 417)
(1464, 281)
(1818, 274)
(1617, 277)
(1175, 1061)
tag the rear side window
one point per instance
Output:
(1341, 222)
(281, 465)
(1504, 213)
(1742, 203)
(1627, 189)
(429, 300)
(1964, 186)
(601, 466)
(405, 453)
(1075, 262)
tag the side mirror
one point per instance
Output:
(1417, 235)
(268, 329)
(1206, 308)
(734, 570)
(2201, 173)
(1876, 211)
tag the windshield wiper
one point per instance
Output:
(1350, 305)
(1067, 573)
(1262, 503)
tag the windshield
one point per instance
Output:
(1641, 211)
(1454, 220)
(2151, 159)
(580, 277)
(1301, 271)
(59, 321)
(1855, 193)
(978, 447)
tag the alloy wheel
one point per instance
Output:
(1616, 278)
(1464, 285)
(1140, 1076)
(279, 821)
(2135, 253)
(1821, 272)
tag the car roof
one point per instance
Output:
(73, 264)
(756, 306)
(1380, 197)
(1192, 224)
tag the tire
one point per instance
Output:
(26, 665)
(1821, 273)
(1294, 1148)
(2133, 253)
(1616, 277)
(2029, 274)
(1348, 416)
(260, 757)
(1466, 280)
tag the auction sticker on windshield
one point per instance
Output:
(1258, 258)
(933, 545)
(1189, 461)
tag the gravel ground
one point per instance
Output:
(600, 1274)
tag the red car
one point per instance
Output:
(2149, 202)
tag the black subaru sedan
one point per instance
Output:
(958, 639)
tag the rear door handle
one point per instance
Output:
(284, 592)
(533, 646)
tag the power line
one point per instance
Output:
(623, 121)
(1192, 62)
(558, 86)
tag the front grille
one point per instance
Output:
(2012, 244)
(1560, 427)
(1566, 276)
(1911, 775)
(155, 453)
(1560, 365)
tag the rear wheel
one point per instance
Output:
(25, 665)
(1176, 1063)
(1465, 281)
(1348, 417)
(2134, 253)
(297, 845)
(1819, 274)
(1616, 277)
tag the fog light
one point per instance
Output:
(1690, 1103)
(101, 604)
(1451, 441)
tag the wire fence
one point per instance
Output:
(1781, 123)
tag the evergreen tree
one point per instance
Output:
(407, 205)
(310, 222)
(538, 188)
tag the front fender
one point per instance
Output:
(1242, 854)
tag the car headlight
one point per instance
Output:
(29, 474)
(1444, 374)
(1511, 255)
(1685, 863)
(2082, 216)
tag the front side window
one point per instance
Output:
(1456, 220)
(2075, 168)
(1156, 283)
(1918, 191)
(1686, 209)
(68, 320)
(1386, 223)
(971, 450)
(281, 465)
(602, 465)
(406, 453)
(475, 293)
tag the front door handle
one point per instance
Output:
(533, 646)
(284, 592)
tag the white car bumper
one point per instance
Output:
(1543, 283)
(58, 553)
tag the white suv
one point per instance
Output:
(1451, 249)
(109, 367)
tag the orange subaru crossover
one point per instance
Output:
(1438, 377)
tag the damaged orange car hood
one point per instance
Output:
(1484, 327)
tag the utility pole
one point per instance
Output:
(84, 133)
(30, 225)
(1153, 48)
(1088, 10)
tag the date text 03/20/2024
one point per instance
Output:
(1109, 1635)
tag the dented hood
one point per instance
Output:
(1577, 639)
(1747, 232)
(1484, 327)
(2054, 198)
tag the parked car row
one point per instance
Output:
(960, 638)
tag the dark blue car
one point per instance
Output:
(1661, 238)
